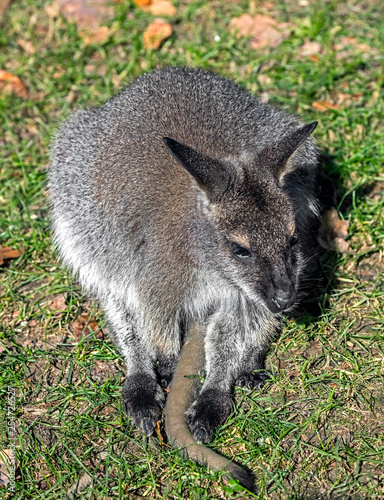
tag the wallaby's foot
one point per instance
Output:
(143, 401)
(165, 369)
(207, 413)
(253, 380)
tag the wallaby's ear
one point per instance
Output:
(209, 173)
(278, 158)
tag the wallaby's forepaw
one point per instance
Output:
(253, 380)
(207, 413)
(143, 401)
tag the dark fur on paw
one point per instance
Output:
(207, 413)
(143, 401)
(253, 380)
(165, 368)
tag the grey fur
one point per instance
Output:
(150, 195)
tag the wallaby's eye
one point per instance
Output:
(294, 240)
(239, 251)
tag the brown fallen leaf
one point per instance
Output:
(333, 231)
(263, 31)
(85, 325)
(346, 99)
(8, 253)
(7, 466)
(80, 485)
(314, 57)
(86, 13)
(4, 6)
(85, 480)
(11, 84)
(157, 32)
(264, 79)
(325, 105)
(339, 100)
(59, 73)
(353, 43)
(26, 45)
(158, 7)
(347, 50)
(158, 432)
(58, 302)
(99, 69)
(95, 35)
(53, 9)
(311, 48)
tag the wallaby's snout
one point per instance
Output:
(279, 282)
(281, 297)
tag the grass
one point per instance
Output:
(317, 430)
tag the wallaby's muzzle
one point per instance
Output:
(280, 291)
(281, 299)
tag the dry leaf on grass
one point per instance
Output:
(7, 465)
(53, 9)
(339, 100)
(95, 35)
(333, 232)
(157, 32)
(98, 69)
(8, 253)
(79, 486)
(157, 7)
(158, 432)
(58, 302)
(325, 105)
(263, 31)
(86, 13)
(310, 49)
(11, 84)
(348, 45)
(26, 45)
(85, 325)
(342, 98)
(4, 6)
(85, 480)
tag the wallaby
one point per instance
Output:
(185, 200)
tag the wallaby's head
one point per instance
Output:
(253, 238)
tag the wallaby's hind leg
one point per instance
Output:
(143, 399)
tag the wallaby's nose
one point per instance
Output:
(284, 298)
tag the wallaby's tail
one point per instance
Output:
(180, 398)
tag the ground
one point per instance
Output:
(316, 430)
